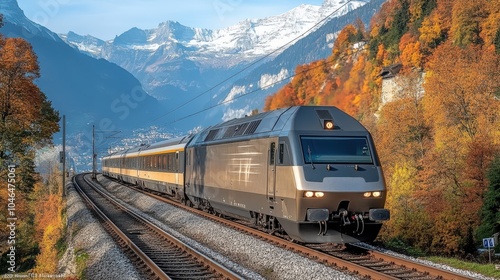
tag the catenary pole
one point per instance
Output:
(64, 157)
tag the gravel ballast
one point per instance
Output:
(250, 257)
(91, 245)
(240, 252)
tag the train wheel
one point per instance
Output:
(273, 225)
(263, 222)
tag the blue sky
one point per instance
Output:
(107, 18)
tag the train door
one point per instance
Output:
(177, 167)
(271, 173)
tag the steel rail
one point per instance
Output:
(310, 253)
(437, 273)
(431, 270)
(156, 270)
(219, 268)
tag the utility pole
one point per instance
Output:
(93, 153)
(63, 157)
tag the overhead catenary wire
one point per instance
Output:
(323, 64)
(326, 62)
(242, 70)
(226, 101)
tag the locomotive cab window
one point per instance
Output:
(318, 149)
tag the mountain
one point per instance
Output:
(176, 63)
(13, 15)
(173, 59)
(193, 70)
(87, 90)
(250, 91)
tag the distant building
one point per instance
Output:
(390, 85)
(395, 86)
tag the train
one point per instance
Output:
(311, 173)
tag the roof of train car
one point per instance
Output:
(298, 118)
(303, 118)
(158, 145)
(168, 142)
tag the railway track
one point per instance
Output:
(366, 264)
(157, 253)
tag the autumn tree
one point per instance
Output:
(27, 119)
(466, 19)
(489, 25)
(459, 99)
(490, 212)
(411, 53)
(27, 122)
(439, 135)
(49, 223)
(497, 41)
(461, 84)
(395, 25)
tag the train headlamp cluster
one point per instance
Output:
(372, 194)
(314, 194)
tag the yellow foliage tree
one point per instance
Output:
(46, 261)
(411, 55)
(466, 19)
(489, 26)
(49, 224)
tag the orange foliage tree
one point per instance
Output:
(27, 122)
(435, 141)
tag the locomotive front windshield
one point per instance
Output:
(318, 149)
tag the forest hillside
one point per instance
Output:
(424, 78)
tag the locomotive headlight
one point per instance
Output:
(374, 194)
(309, 194)
(319, 194)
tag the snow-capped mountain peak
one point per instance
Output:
(13, 14)
(160, 55)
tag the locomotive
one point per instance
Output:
(310, 172)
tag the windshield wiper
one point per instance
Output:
(310, 157)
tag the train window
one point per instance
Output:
(272, 153)
(336, 149)
(170, 162)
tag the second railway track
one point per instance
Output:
(164, 256)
